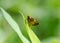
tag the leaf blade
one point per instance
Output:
(14, 25)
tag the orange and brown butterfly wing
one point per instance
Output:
(32, 21)
(36, 22)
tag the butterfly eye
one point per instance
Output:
(32, 21)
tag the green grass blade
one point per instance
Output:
(33, 37)
(14, 25)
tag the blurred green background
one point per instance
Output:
(47, 12)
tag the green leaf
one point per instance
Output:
(33, 37)
(14, 25)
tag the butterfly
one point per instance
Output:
(32, 21)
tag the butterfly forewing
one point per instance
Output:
(32, 20)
